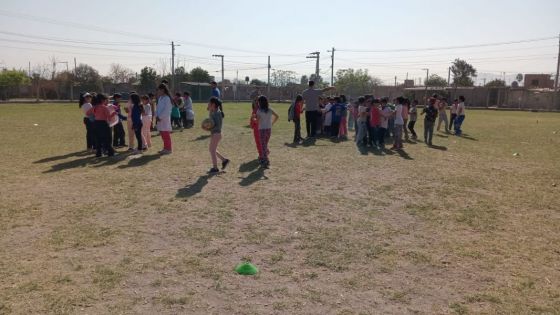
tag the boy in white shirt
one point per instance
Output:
(460, 116)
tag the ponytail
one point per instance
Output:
(216, 101)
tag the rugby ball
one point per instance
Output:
(207, 124)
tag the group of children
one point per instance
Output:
(104, 121)
(376, 119)
(373, 119)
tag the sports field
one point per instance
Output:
(467, 226)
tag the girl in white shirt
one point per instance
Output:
(399, 122)
(85, 105)
(146, 121)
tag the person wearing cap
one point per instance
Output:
(118, 129)
(312, 111)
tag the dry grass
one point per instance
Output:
(466, 228)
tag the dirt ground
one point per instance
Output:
(466, 227)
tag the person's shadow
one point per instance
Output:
(193, 189)
(64, 156)
(402, 153)
(140, 161)
(466, 136)
(437, 147)
(83, 162)
(257, 173)
(201, 137)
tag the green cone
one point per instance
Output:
(246, 268)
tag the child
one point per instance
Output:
(343, 129)
(375, 123)
(102, 115)
(153, 103)
(460, 116)
(398, 126)
(413, 117)
(336, 116)
(361, 136)
(163, 118)
(118, 129)
(128, 110)
(255, 126)
(442, 107)
(189, 123)
(136, 117)
(298, 109)
(453, 113)
(216, 116)
(385, 114)
(85, 106)
(146, 121)
(406, 107)
(176, 116)
(265, 118)
(430, 120)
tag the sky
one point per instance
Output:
(388, 38)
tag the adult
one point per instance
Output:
(163, 117)
(312, 111)
(460, 116)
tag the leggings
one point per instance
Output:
(146, 126)
(398, 130)
(90, 135)
(213, 148)
(257, 140)
(264, 137)
(130, 132)
(411, 127)
(166, 137)
(139, 138)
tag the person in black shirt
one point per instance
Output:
(429, 120)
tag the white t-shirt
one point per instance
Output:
(85, 107)
(362, 109)
(147, 110)
(385, 113)
(398, 115)
(265, 119)
(461, 109)
(328, 115)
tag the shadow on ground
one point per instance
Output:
(194, 188)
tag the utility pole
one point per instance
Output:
(315, 55)
(268, 82)
(332, 65)
(395, 80)
(555, 95)
(448, 76)
(173, 65)
(29, 70)
(221, 56)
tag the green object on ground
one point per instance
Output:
(246, 268)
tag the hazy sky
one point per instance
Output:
(137, 33)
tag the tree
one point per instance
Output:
(148, 79)
(200, 75)
(181, 75)
(10, 80)
(281, 78)
(257, 82)
(120, 74)
(304, 80)
(435, 80)
(463, 72)
(496, 83)
(87, 78)
(355, 82)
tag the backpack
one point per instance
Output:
(291, 111)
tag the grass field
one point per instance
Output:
(464, 228)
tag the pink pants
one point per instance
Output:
(146, 125)
(213, 148)
(166, 137)
(342, 129)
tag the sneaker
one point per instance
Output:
(225, 164)
(130, 149)
(214, 170)
(165, 152)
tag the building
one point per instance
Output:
(538, 81)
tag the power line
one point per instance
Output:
(449, 47)
(76, 41)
